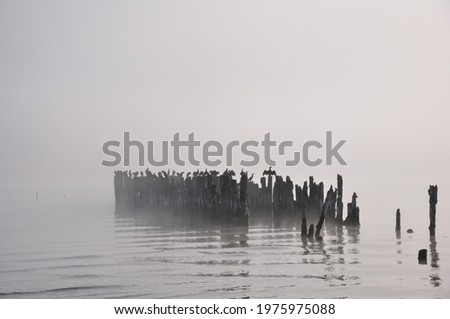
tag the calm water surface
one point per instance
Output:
(102, 254)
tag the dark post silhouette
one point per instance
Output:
(270, 173)
(432, 192)
(352, 212)
(340, 204)
(243, 208)
(397, 221)
(422, 257)
(304, 232)
(322, 215)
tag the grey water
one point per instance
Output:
(67, 253)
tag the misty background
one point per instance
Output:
(377, 73)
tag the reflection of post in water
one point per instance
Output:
(435, 278)
(331, 230)
(353, 233)
(233, 236)
(340, 242)
(340, 233)
(399, 249)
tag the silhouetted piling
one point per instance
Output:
(325, 207)
(319, 227)
(432, 192)
(422, 256)
(220, 197)
(242, 218)
(304, 232)
(270, 173)
(352, 212)
(397, 221)
(339, 203)
(330, 210)
(283, 200)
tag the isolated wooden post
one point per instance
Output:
(432, 192)
(397, 221)
(352, 212)
(422, 256)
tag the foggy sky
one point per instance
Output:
(75, 74)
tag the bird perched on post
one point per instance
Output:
(269, 172)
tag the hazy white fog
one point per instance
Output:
(74, 74)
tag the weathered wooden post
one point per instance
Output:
(330, 213)
(422, 256)
(432, 192)
(270, 173)
(304, 232)
(352, 212)
(243, 194)
(270, 188)
(397, 222)
(322, 215)
(319, 227)
(340, 204)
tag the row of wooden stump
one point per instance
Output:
(225, 199)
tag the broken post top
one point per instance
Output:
(354, 197)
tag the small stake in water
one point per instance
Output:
(422, 256)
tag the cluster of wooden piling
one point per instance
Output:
(224, 198)
(220, 195)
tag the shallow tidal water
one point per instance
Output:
(102, 254)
